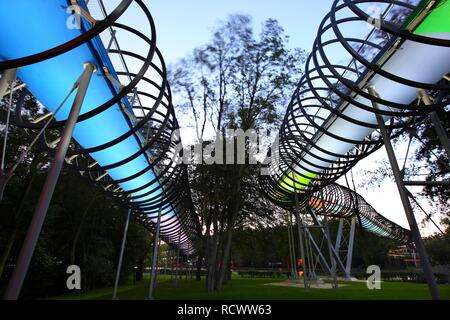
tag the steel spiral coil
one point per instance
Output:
(331, 121)
(145, 102)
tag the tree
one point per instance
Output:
(438, 246)
(431, 152)
(82, 226)
(20, 168)
(236, 81)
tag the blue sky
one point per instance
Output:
(184, 25)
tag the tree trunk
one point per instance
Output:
(139, 272)
(76, 237)
(226, 250)
(213, 248)
(198, 273)
(207, 243)
(233, 211)
(212, 263)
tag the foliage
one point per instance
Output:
(238, 80)
(438, 246)
(82, 227)
(259, 247)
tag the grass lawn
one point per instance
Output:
(255, 288)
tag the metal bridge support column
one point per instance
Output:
(122, 249)
(330, 251)
(300, 238)
(323, 261)
(157, 265)
(291, 248)
(351, 241)
(337, 245)
(426, 265)
(155, 258)
(294, 254)
(335, 254)
(310, 260)
(23, 262)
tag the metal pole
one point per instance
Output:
(300, 238)
(294, 256)
(306, 262)
(157, 264)
(23, 262)
(414, 257)
(122, 249)
(351, 240)
(337, 245)
(177, 271)
(291, 259)
(309, 259)
(427, 270)
(318, 251)
(170, 252)
(440, 131)
(313, 260)
(289, 247)
(330, 251)
(336, 255)
(155, 258)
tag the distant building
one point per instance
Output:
(406, 254)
